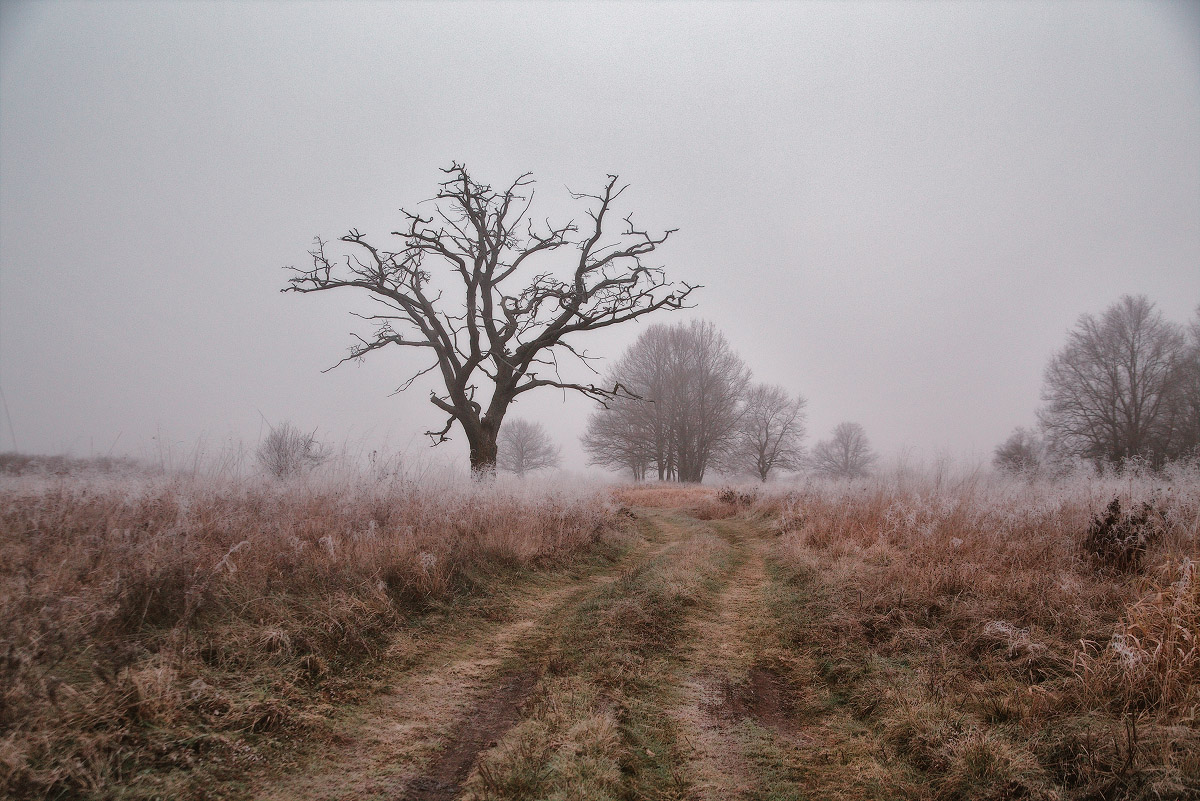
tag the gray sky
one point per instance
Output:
(897, 210)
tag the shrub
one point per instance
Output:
(1119, 540)
(287, 450)
(735, 497)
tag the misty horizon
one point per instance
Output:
(896, 211)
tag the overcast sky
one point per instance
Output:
(896, 209)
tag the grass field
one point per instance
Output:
(914, 636)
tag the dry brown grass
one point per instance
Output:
(987, 648)
(156, 625)
(703, 503)
(664, 495)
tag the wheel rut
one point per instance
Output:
(420, 740)
(736, 685)
(483, 706)
(495, 715)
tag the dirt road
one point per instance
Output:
(665, 674)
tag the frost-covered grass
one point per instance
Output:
(161, 622)
(991, 646)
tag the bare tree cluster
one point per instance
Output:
(287, 451)
(460, 284)
(685, 384)
(846, 454)
(1125, 386)
(524, 447)
(691, 408)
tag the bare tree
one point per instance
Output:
(1023, 452)
(771, 432)
(847, 454)
(1190, 394)
(525, 447)
(491, 339)
(1117, 390)
(287, 451)
(617, 437)
(688, 384)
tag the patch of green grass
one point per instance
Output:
(776, 780)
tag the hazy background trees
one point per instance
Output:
(525, 446)
(846, 454)
(1023, 452)
(1123, 387)
(770, 433)
(619, 438)
(688, 385)
(1191, 387)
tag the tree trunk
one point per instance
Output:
(483, 453)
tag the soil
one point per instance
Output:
(480, 730)
(465, 687)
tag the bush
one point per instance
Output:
(1119, 540)
(735, 497)
(287, 451)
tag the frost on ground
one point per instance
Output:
(910, 636)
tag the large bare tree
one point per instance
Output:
(1118, 389)
(461, 283)
(847, 454)
(688, 384)
(771, 432)
(524, 446)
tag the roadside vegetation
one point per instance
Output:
(920, 636)
(162, 625)
(1003, 639)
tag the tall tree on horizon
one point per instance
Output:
(1118, 389)
(771, 432)
(846, 454)
(524, 447)
(687, 385)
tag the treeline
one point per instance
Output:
(687, 405)
(1125, 389)
(13, 463)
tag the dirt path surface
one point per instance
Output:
(465, 688)
(658, 677)
(738, 693)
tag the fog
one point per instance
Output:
(896, 210)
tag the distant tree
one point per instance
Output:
(617, 437)
(525, 447)
(1190, 395)
(1118, 390)
(847, 454)
(287, 451)
(1023, 452)
(491, 340)
(686, 384)
(770, 433)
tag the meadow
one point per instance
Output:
(920, 634)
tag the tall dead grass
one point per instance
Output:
(974, 623)
(160, 623)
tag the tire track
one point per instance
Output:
(420, 740)
(736, 692)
